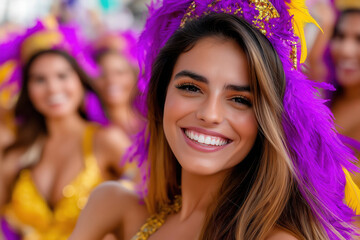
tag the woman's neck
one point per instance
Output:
(119, 113)
(60, 127)
(198, 192)
(124, 117)
(351, 93)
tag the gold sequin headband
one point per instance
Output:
(266, 11)
(347, 4)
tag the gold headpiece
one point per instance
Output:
(43, 39)
(347, 4)
(266, 11)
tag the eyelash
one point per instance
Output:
(62, 76)
(241, 100)
(39, 80)
(188, 87)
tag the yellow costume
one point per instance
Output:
(29, 213)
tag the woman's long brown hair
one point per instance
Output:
(261, 192)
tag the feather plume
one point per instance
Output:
(352, 193)
(301, 16)
(6, 70)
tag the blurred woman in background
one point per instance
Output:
(117, 83)
(58, 156)
(345, 53)
(338, 52)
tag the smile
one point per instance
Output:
(57, 99)
(348, 65)
(204, 139)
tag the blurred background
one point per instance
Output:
(91, 15)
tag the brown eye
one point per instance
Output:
(188, 87)
(358, 39)
(242, 100)
(62, 76)
(339, 36)
(38, 80)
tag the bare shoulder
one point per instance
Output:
(281, 234)
(108, 211)
(10, 163)
(112, 193)
(9, 168)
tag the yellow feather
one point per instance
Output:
(50, 22)
(301, 16)
(6, 69)
(352, 193)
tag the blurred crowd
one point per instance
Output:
(68, 93)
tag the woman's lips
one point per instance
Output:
(204, 142)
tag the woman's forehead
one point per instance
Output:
(350, 23)
(48, 62)
(215, 59)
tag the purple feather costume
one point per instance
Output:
(316, 152)
(68, 38)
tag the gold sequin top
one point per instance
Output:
(154, 222)
(29, 213)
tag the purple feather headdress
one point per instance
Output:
(123, 42)
(315, 149)
(45, 34)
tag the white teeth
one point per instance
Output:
(208, 140)
(205, 139)
(196, 137)
(201, 138)
(57, 99)
(348, 64)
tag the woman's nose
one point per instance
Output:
(52, 86)
(211, 111)
(348, 48)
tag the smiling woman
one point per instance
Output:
(58, 156)
(56, 90)
(345, 52)
(214, 90)
(206, 108)
(238, 144)
(117, 89)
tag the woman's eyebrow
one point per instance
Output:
(192, 75)
(197, 77)
(35, 75)
(238, 88)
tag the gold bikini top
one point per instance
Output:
(29, 213)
